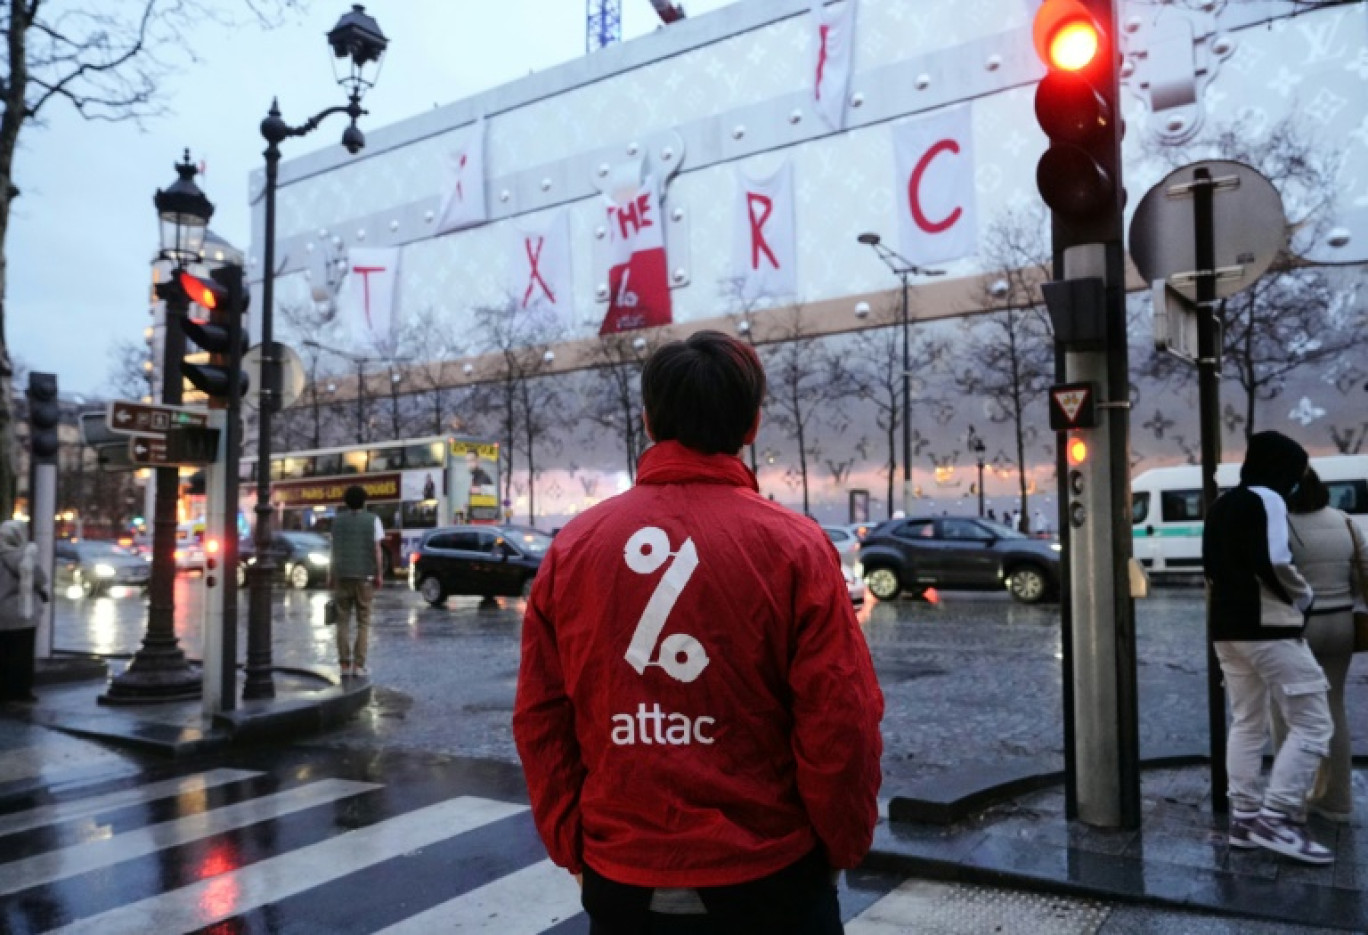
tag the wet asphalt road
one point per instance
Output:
(974, 679)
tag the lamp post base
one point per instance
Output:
(155, 676)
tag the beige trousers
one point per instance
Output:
(349, 594)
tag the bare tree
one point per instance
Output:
(1294, 316)
(1009, 354)
(432, 347)
(525, 406)
(876, 374)
(805, 381)
(305, 320)
(130, 375)
(107, 62)
(612, 398)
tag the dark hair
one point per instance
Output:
(1310, 495)
(703, 392)
(355, 496)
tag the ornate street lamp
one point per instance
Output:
(980, 449)
(159, 671)
(357, 42)
(904, 269)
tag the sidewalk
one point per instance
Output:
(305, 702)
(1179, 857)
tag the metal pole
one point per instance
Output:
(231, 550)
(1209, 417)
(360, 401)
(906, 402)
(258, 683)
(159, 670)
(980, 485)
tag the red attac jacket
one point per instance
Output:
(696, 703)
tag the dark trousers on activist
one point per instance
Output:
(16, 664)
(798, 900)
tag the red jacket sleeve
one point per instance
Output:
(544, 729)
(837, 706)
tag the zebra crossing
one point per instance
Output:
(296, 842)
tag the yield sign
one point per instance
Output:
(1073, 406)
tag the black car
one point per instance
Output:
(958, 553)
(302, 558)
(488, 561)
(90, 567)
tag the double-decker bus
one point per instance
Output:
(413, 485)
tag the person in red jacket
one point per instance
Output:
(697, 713)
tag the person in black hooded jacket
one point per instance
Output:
(1258, 603)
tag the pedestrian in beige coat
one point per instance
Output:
(23, 590)
(1323, 541)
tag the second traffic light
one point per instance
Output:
(224, 299)
(1077, 106)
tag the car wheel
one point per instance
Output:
(299, 577)
(1028, 584)
(431, 590)
(883, 583)
(89, 588)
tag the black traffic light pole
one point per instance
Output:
(44, 416)
(159, 670)
(1080, 178)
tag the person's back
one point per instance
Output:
(353, 544)
(1322, 546)
(697, 707)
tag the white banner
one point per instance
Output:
(638, 277)
(937, 207)
(463, 199)
(370, 296)
(542, 269)
(833, 30)
(764, 241)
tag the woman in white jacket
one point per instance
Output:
(1323, 542)
(23, 586)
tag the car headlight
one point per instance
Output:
(105, 571)
(1055, 546)
(318, 558)
(858, 571)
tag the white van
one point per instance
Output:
(1166, 508)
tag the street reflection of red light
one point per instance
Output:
(932, 596)
(220, 897)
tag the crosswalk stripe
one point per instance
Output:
(94, 805)
(49, 759)
(82, 858)
(523, 903)
(276, 878)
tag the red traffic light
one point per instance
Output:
(204, 292)
(1066, 35)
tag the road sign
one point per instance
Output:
(1247, 216)
(1073, 406)
(291, 375)
(1175, 322)
(148, 450)
(190, 445)
(129, 418)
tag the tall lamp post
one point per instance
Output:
(904, 269)
(159, 670)
(357, 38)
(979, 449)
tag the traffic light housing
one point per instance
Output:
(1078, 107)
(44, 418)
(217, 330)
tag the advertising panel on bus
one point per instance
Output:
(474, 478)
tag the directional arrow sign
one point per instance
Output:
(147, 451)
(130, 418)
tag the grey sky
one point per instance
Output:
(84, 229)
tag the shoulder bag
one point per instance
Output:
(1356, 577)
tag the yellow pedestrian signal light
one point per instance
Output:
(1077, 451)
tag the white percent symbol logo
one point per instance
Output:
(681, 656)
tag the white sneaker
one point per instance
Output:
(1284, 837)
